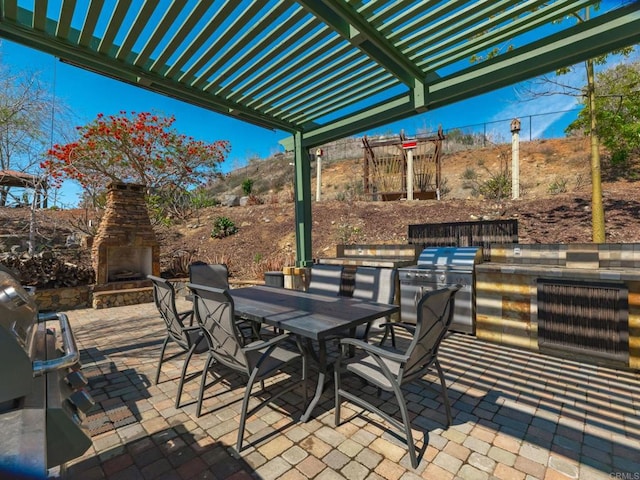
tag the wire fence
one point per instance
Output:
(479, 135)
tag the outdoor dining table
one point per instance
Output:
(312, 316)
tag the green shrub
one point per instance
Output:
(202, 199)
(352, 191)
(497, 187)
(348, 234)
(223, 227)
(445, 189)
(247, 186)
(559, 185)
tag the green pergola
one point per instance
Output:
(319, 69)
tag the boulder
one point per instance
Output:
(231, 200)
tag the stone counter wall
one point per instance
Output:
(506, 288)
(575, 255)
(407, 251)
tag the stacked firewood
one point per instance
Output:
(47, 270)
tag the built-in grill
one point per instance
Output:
(42, 395)
(439, 267)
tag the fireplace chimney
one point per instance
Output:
(125, 247)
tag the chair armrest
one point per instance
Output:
(259, 345)
(374, 349)
(258, 352)
(184, 315)
(407, 326)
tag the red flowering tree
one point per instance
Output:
(137, 147)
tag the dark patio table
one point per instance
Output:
(312, 316)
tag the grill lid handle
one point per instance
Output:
(71, 354)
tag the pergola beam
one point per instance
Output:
(599, 36)
(106, 66)
(350, 25)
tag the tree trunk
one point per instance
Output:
(597, 208)
(32, 224)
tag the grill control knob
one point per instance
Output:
(82, 400)
(76, 380)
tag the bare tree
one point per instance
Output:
(30, 119)
(554, 85)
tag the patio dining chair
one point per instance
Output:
(259, 360)
(390, 370)
(209, 274)
(217, 275)
(376, 285)
(325, 279)
(188, 337)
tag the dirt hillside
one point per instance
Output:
(265, 239)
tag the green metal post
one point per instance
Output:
(302, 202)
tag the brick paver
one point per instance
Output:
(517, 415)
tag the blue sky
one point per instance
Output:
(88, 94)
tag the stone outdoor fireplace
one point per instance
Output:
(125, 247)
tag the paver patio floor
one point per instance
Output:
(517, 415)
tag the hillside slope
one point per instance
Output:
(265, 239)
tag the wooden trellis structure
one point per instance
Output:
(12, 178)
(386, 167)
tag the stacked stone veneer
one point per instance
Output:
(60, 299)
(506, 287)
(404, 251)
(125, 224)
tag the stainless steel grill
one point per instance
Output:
(42, 395)
(439, 267)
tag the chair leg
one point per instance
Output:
(337, 385)
(184, 372)
(367, 330)
(305, 378)
(388, 331)
(407, 425)
(245, 407)
(164, 346)
(207, 365)
(443, 392)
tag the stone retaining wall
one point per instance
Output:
(61, 299)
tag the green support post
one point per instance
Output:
(302, 202)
